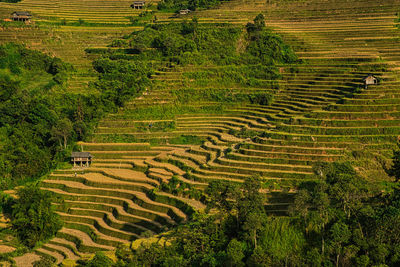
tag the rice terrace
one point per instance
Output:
(199, 133)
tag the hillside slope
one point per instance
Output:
(321, 112)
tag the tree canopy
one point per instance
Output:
(33, 217)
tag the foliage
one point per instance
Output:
(119, 80)
(177, 187)
(124, 73)
(39, 119)
(394, 170)
(177, 5)
(6, 202)
(226, 235)
(45, 261)
(98, 260)
(338, 220)
(33, 218)
(344, 219)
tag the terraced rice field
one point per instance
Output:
(109, 20)
(321, 112)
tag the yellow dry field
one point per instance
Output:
(112, 165)
(86, 240)
(6, 249)
(88, 10)
(126, 174)
(100, 178)
(102, 224)
(161, 171)
(26, 260)
(192, 202)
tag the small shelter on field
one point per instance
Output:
(370, 80)
(184, 11)
(21, 16)
(82, 159)
(138, 4)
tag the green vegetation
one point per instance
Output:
(176, 5)
(98, 260)
(40, 120)
(338, 220)
(394, 170)
(120, 80)
(179, 188)
(250, 124)
(31, 113)
(45, 261)
(10, 1)
(32, 216)
(208, 56)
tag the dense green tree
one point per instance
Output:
(395, 168)
(99, 260)
(235, 253)
(222, 195)
(339, 236)
(33, 217)
(62, 131)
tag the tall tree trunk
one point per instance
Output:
(65, 142)
(337, 259)
(255, 239)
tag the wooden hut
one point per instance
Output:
(184, 11)
(370, 80)
(138, 4)
(21, 16)
(82, 159)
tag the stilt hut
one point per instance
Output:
(21, 16)
(370, 80)
(138, 4)
(82, 159)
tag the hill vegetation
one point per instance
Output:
(31, 112)
(176, 5)
(220, 135)
(339, 220)
(40, 118)
(10, 1)
(192, 44)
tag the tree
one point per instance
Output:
(252, 224)
(33, 217)
(235, 253)
(394, 171)
(259, 22)
(346, 187)
(339, 236)
(222, 195)
(61, 131)
(257, 26)
(45, 261)
(251, 212)
(100, 260)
